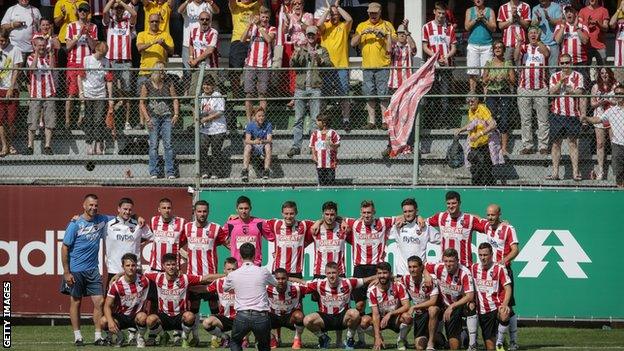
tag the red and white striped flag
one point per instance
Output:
(402, 109)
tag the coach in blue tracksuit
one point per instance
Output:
(81, 275)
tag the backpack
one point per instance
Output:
(455, 155)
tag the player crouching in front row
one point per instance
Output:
(390, 307)
(127, 296)
(285, 303)
(494, 292)
(173, 305)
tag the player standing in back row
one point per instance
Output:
(367, 236)
(202, 239)
(456, 228)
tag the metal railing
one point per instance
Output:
(362, 156)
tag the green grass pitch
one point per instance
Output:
(42, 338)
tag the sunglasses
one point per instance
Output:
(83, 10)
(564, 62)
(204, 19)
(155, 21)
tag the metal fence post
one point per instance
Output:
(196, 113)
(416, 149)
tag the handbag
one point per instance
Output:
(455, 154)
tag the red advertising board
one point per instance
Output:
(34, 220)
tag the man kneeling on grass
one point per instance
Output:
(389, 303)
(127, 296)
(173, 305)
(334, 312)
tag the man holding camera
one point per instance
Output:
(374, 37)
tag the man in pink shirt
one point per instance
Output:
(596, 18)
(246, 229)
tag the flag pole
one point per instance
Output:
(416, 149)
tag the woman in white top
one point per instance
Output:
(601, 101)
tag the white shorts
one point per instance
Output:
(477, 56)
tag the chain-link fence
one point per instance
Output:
(67, 138)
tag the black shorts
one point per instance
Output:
(202, 296)
(562, 127)
(489, 325)
(512, 301)
(362, 271)
(333, 321)
(454, 325)
(225, 321)
(238, 54)
(123, 321)
(281, 321)
(170, 323)
(315, 295)
(393, 323)
(421, 324)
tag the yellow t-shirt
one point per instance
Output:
(71, 15)
(240, 17)
(336, 40)
(482, 113)
(374, 52)
(165, 13)
(155, 53)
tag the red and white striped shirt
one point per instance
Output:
(119, 36)
(202, 245)
(329, 246)
(334, 300)
(456, 233)
(401, 56)
(500, 238)
(260, 52)
(172, 293)
(129, 297)
(78, 52)
(452, 286)
(369, 241)
(562, 104)
(419, 292)
(226, 298)
(515, 31)
(618, 60)
(41, 79)
(571, 43)
(533, 77)
(284, 302)
(389, 300)
(326, 157)
(201, 41)
(97, 7)
(290, 243)
(439, 38)
(168, 238)
(490, 286)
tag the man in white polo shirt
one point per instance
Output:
(251, 301)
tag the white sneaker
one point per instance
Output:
(205, 176)
(214, 177)
(128, 126)
(154, 177)
(171, 177)
(513, 346)
(140, 342)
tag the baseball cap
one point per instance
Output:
(374, 7)
(401, 29)
(311, 29)
(84, 6)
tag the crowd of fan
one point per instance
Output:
(91, 38)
